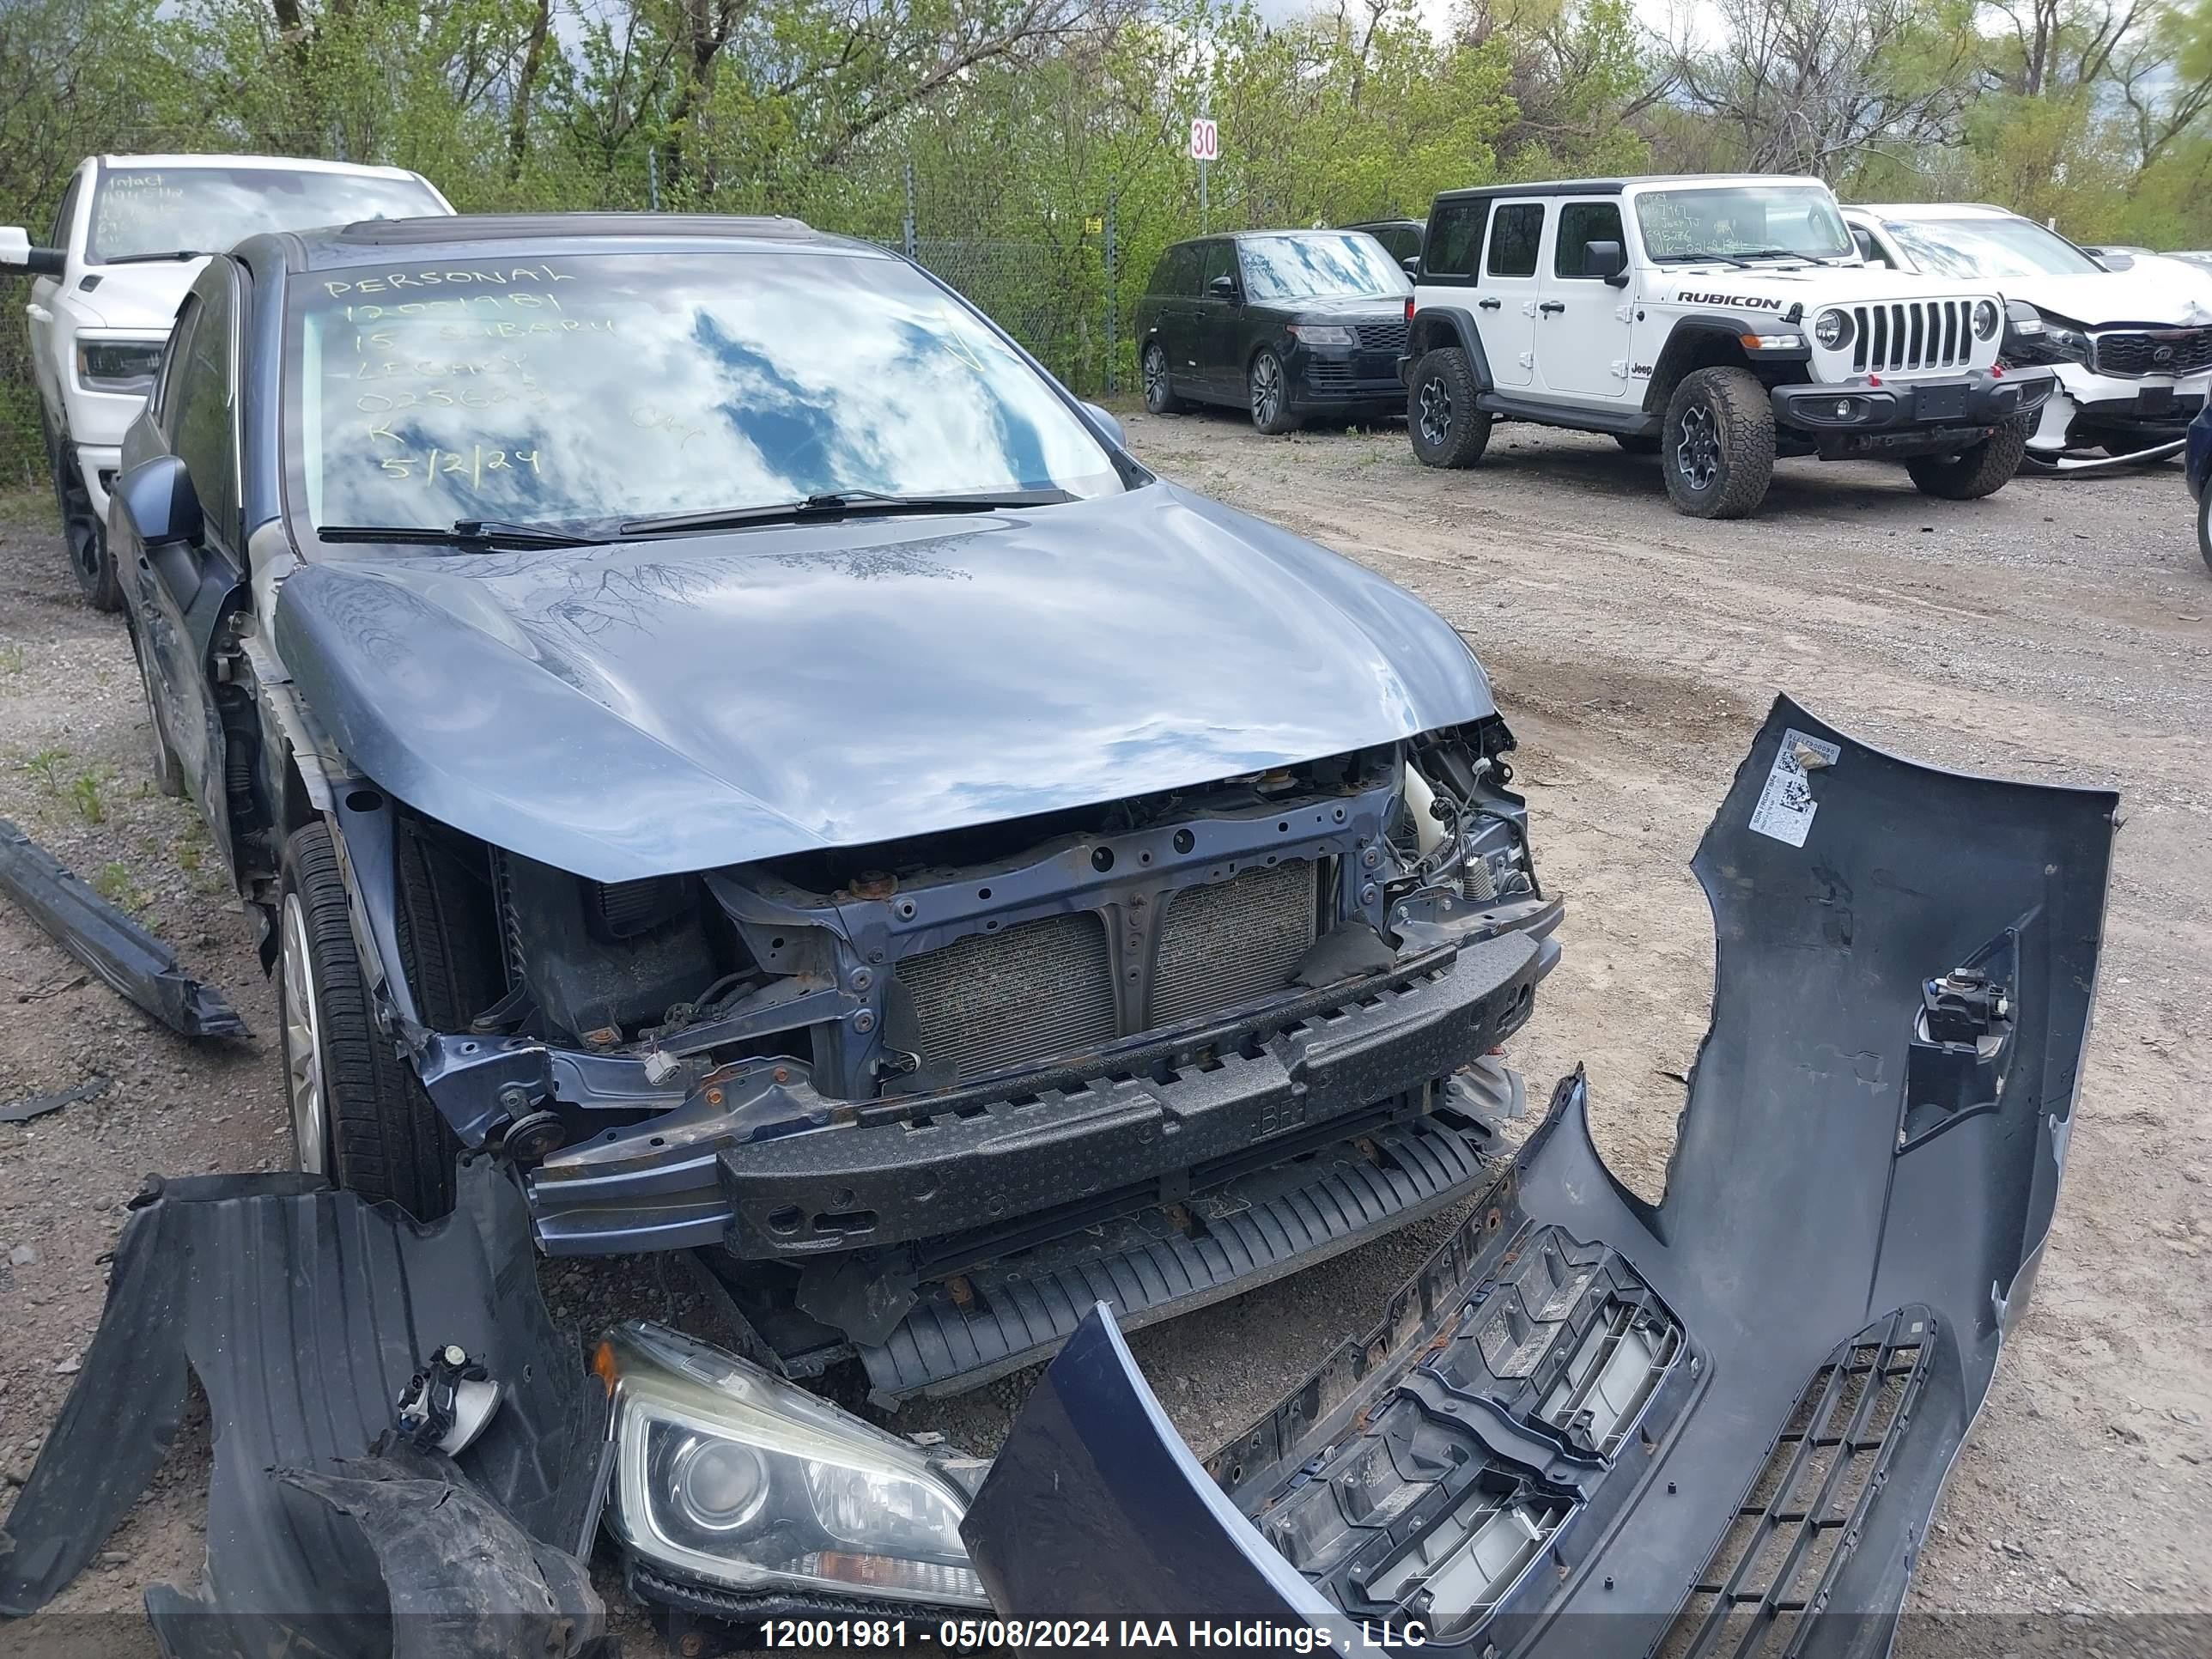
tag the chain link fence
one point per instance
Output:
(1051, 273)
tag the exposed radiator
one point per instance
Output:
(992, 1000)
(1889, 339)
(1235, 940)
(1045, 988)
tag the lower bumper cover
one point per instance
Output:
(1898, 412)
(1597, 1426)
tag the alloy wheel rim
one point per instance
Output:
(1156, 375)
(1436, 412)
(1697, 452)
(303, 1045)
(1266, 390)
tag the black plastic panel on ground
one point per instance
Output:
(1151, 1266)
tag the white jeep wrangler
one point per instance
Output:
(1717, 321)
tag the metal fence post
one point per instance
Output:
(909, 207)
(1113, 294)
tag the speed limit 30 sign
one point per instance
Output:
(1205, 140)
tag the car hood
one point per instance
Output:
(2164, 293)
(141, 296)
(1340, 308)
(1805, 285)
(639, 710)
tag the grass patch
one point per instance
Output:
(88, 793)
(13, 660)
(47, 766)
(112, 882)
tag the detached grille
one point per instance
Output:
(1382, 337)
(993, 1000)
(2155, 351)
(1237, 939)
(1912, 334)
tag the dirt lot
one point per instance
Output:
(2057, 632)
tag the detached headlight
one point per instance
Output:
(1986, 318)
(2023, 318)
(118, 365)
(726, 1474)
(1324, 334)
(1833, 329)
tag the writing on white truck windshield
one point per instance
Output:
(140, 213)
(1742, 224)
(588, 389)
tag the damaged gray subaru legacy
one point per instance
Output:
(704, 718)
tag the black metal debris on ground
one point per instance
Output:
(133, 962)
(31, 1106)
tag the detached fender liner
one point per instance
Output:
(304, 1312)
(1799, 1333)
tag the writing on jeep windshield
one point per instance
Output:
(577, 390)
(1742, 223)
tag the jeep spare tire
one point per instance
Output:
(1970, 474)
(1716, 449)
(1445, 426)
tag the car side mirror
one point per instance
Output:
(1607, 261)
(1109, 423)
(158, 499)
(16, 253)
(1412, 265)
(1222, 288)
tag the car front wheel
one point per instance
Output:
(1440, 418)
(360, 1115)
(1270, 387)
(168, 774)
(1972, 473)
(1159, 387)
(82, 537)
(1717, 449)
(2204, 525)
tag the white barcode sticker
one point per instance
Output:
(1786, 805)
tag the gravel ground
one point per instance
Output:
(2057, 632)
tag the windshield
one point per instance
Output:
(1740, 221)
(581, 390)
(1318, 267)
(1988, 247)
(141, 210)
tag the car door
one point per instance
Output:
(1582, 323)
(182, 593)
(40, 307)
(1509, 271)
(1220, 326)
(1175, 285)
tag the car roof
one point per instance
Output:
(494, 235)
(278, 163)
(1615, 186)
(1288, 230)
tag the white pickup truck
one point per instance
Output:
(131, 234)
(1717, 321)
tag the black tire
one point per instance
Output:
(168, 773)
(382, 1136)
(1446, 428)
(1267, 393)
(1971, 473)
(84, 538)
(1637, 443)
(1159, 385)
(2204, 525)
(1717, 449)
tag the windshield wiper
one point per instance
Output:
(1699, 259)
(464, 532)
(157, 259)
(838, 504)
